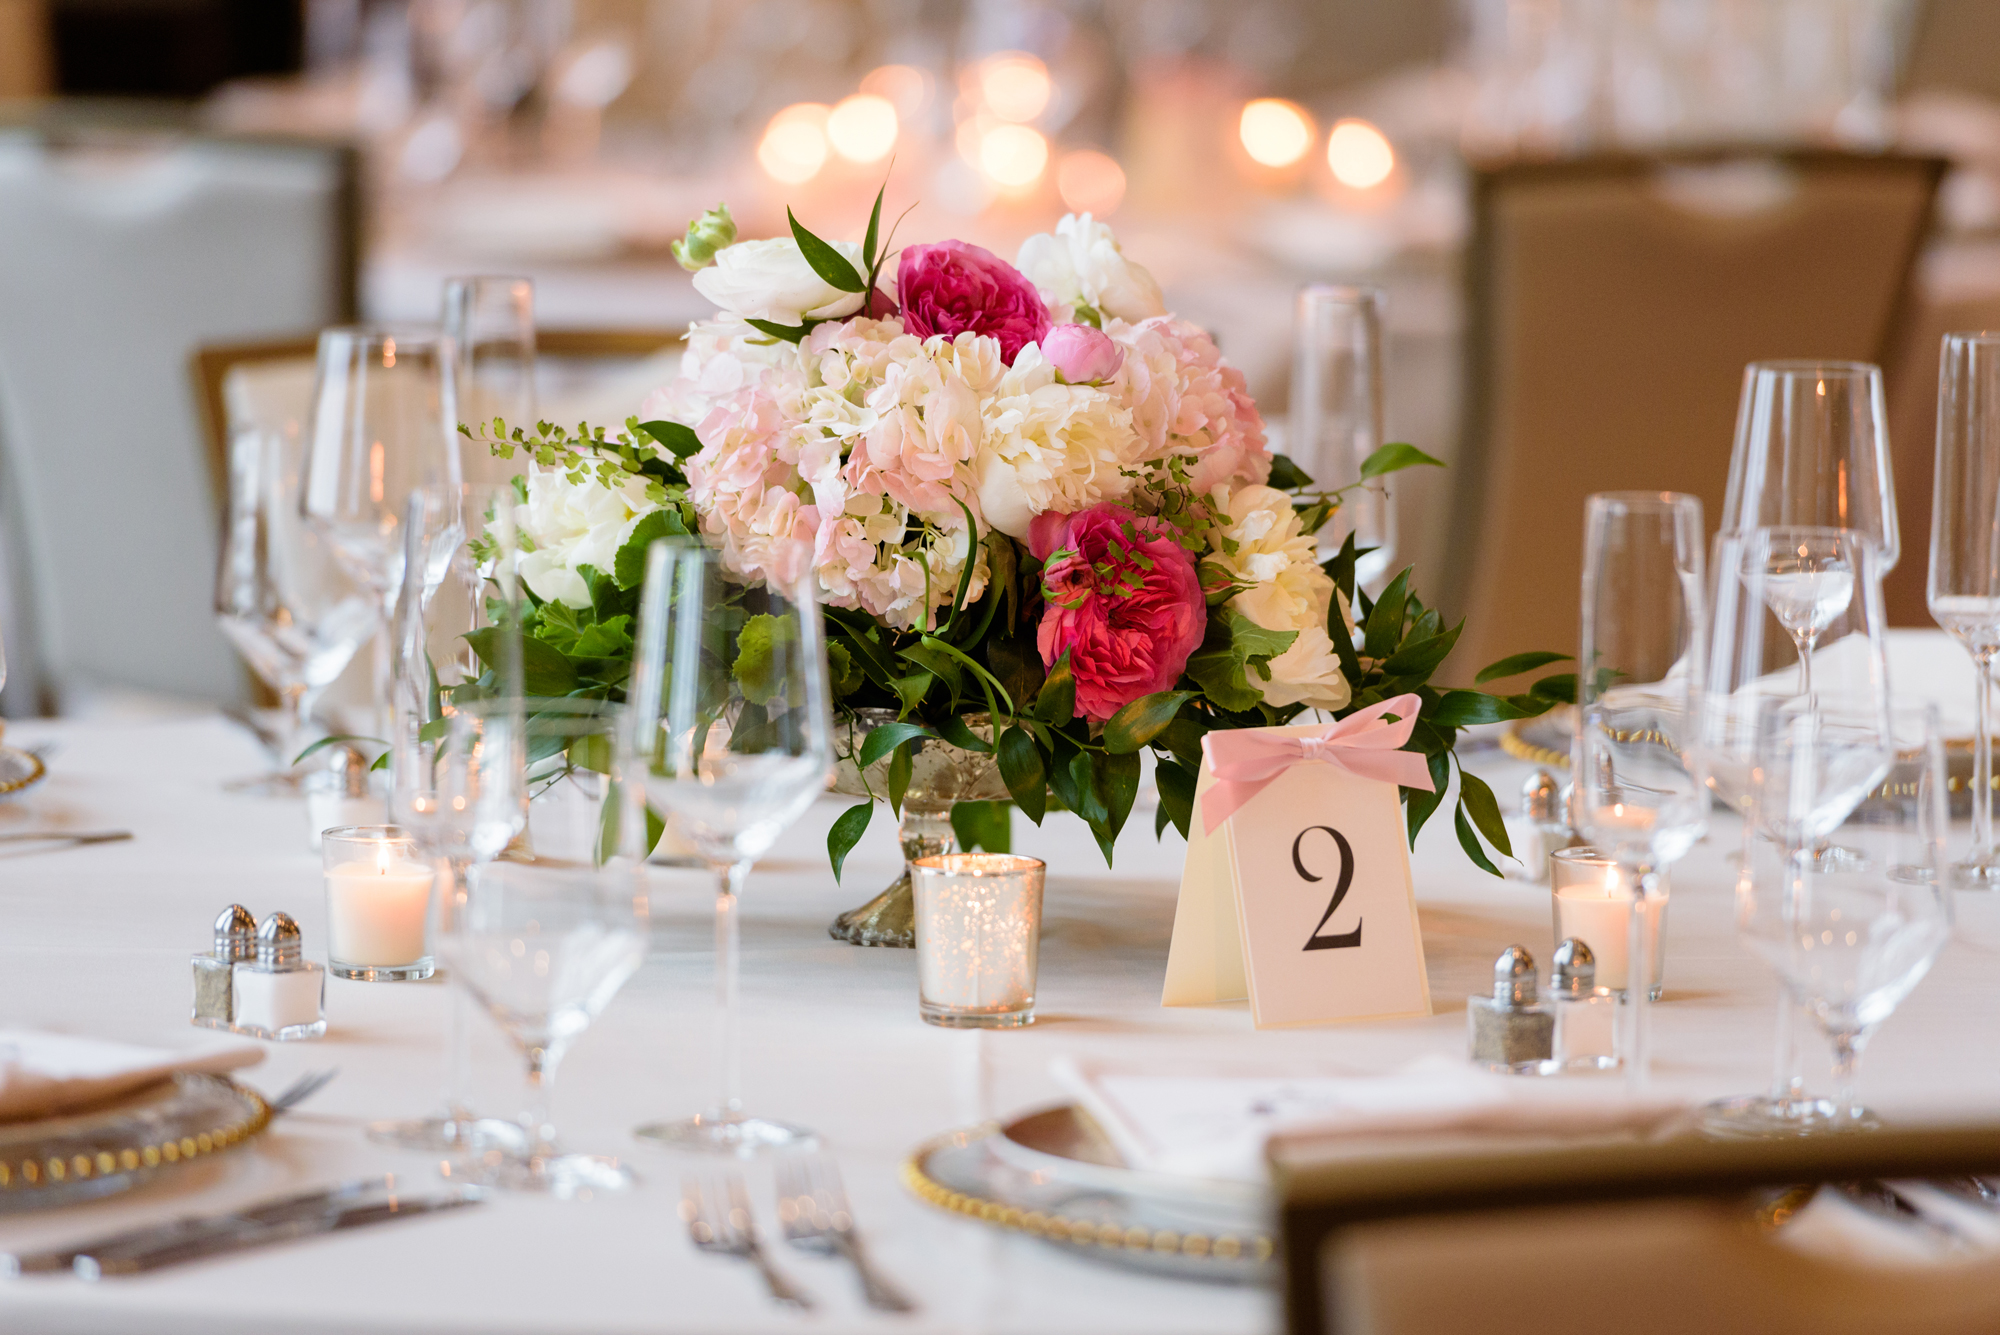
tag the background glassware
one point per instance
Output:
(574, 809)
(1850, 937)
(280, 597)
(543, 946)
(1812, 450)
(1335, 419)
(1964, 589)
(979, 929)
(383, 426)
(730, 763)
(1640, 795)
(490, 321)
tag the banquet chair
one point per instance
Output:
(1613, 304)
(121, 248)
(1644, 1238)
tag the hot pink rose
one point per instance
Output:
(1081, 353)
(952, 287)
(1123, 600)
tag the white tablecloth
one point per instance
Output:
(97, 939)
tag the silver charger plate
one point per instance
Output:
(1052, 1175)
(115, 1146)
(19, 771)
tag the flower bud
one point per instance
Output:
(1081, 354)
(706, 235)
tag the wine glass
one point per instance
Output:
(383, 425)
(280, 598)
(1964, 590)
(1849, 938)
(490, 321)
(543, 946)
(1335, 420)
(730, 735)
(575, 799)
(1641, 798)
(1812, 450)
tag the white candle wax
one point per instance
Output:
(1597, 910)
(375, 911)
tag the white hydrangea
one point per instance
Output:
(1260, 545)
(1051, 446)
(1079, 264)
(571, 525)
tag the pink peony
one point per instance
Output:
(1083, 355)
(1123, 600)
(952, 287)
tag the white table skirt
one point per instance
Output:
(98, 940)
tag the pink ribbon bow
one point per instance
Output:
(1245, 761)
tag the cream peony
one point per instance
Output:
(1080, 265)
(1050, 446)
(572, 525)
(1260, 545)
(770, 280)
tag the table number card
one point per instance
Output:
(1296, 891)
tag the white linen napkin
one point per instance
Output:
(42, 1074)
(1215, 1126)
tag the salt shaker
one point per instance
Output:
(235, 939)
(340, 793)
(281, 994)
(1586, 1014)
(1511, 1030)
(1539, 829)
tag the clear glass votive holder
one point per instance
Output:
(979, 928)
(378, 897)
(1591, 902)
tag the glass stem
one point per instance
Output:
(383, 704)
(1846, 1053)
(457, 1059)
(728, 942)
(1805, 646)
(1787, 1085)
(293, 701)
(1982, 760)
(542, 1061)
(1639, 982)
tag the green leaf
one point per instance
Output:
(676, 438)
(1062, 777)
(1182, 738)
(987, 825)
(786, 333)
(844, 674)
(545, 669)
(1559, 688)
(1385, 621)
(609, 638)
(336, 739)
(1479, 803)
(955, 730)
(764, 650)
(1393, 458)
(1288, 476)
(911, 690)
(1340, 569)
(1118, 787)
(881, 741)
(1420, 658)
(1176, 787)
(1016, 665)
(827, 262)
(1469, 841)
(1232, 642)
(846, 833)
(900, 763)
(1022, 769)
(1141, 721)
(874, 229)
(1056, 701)
(1464, 709)
(1418, 804)
(1515, 664)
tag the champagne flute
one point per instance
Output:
(490, 322)
(1964, 590)
(730, 735)
(1641, 798)
(280, 598)
(1335, 420)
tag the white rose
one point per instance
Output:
(1261, 545)
(573, 525)
(1080, 264)
(770, 280)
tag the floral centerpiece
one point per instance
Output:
(1029, 496)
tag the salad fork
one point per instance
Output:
(717, 1214)
(814, 1210)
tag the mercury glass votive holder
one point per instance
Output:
(978, 928)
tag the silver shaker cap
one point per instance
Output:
(235, 934)
(1572, 969)
(350, 763)
(1514, 978)
(279, 943)
(1541, 799)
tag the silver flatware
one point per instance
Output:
(307, 1085)
(1973, 1190)
(64, 836)
(718, 1218)
(1884, 1201)
(108, 1264)
(813, 1209)
(188, 1227)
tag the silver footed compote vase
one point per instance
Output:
(941, 776)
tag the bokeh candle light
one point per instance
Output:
(1275, 133)
(979, 927)
(1359, 154)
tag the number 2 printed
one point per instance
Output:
(1339, 940)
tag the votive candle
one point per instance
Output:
(979, 927)
(1592, 903)
(378, 895)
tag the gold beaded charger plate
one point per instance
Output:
(19, 771)
(115, 1146)
(1025, 1177)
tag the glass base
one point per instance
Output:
(741, 1136)
(1657, 991)
(949, 1017)
(451, 1135)
(414, 972)
(563, 1176)
(1761, 1117)
(1976, 873)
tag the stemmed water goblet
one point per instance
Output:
(1812, 451)
(1964, 589)
(490, 323)
(1640, 795)
(1335, 421)
(730, 735)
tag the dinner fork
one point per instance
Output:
(814, 1210)
(717, 1213)
(301, 1089)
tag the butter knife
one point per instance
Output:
(112, 1265)
(190, 1226)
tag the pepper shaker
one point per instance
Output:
(1511, 1031)
(1539, 829)
(1586, 1014)
(280, 995)
(235, 939)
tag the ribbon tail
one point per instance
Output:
(1226, 797)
